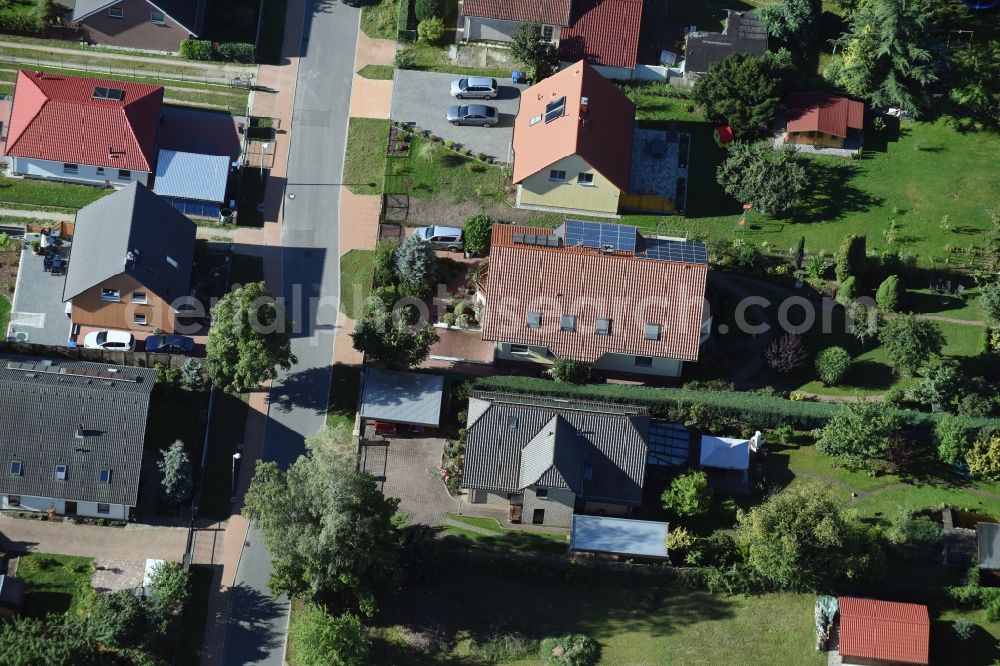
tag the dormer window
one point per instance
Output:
(652, 332)
(567, 323)
(16, 468)
(602, 326)
(534, 320)
(60, 472)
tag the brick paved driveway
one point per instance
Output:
(405, 467)
(131, 543)
(424, 97)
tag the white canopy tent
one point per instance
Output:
(728, 453)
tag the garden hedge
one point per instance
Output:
(762, 410)
(236, 52)
(24, 24)
(196, 49)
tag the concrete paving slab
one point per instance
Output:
(423, 98)
(38, 310)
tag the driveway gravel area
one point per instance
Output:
(423, 98)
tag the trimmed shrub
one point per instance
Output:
(891, 294)
(975, 404)
(688, 495)
(236, 52)
(430, 31)
(403, 18)
(385, 259)
(964, 628)
(847, 291)
(196, 49)
(477, 234)
(570, 370)
(832, 364)
(427, 9)
(405, 59)
(989, 301)
(23, 24)
(571, 650)
(850, 258)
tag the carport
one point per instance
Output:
(401, 398)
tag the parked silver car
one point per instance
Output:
(442, 238)
(474, 87)
(473, 114)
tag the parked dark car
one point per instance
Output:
(169, 344)
(473, 114)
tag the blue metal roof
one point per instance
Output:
(191, 176)
(622, 536)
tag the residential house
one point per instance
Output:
(605, 33)
(140, 24)
(877, 633)
(131, 262)
(546, 460)
(497, 20)
(72, 436)
(573, 144)
(596, 292)
(743, 33)
(192, 183)
(824, 120)
(83, 130)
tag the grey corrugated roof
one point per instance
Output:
(989, 546)
(621, 536)
(552, 458)
(744, 33)
(134, 220)
(190, 15)
(191, 176)
(402, 397)
(610, 443)
(43, 407)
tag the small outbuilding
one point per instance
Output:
(404, 398)
(192, 183)
(11, 596)
(875, 632)
(622, 537)
(727, 453)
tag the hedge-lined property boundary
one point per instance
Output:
(765, 411)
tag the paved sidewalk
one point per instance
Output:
(38, 214)
(133, 542)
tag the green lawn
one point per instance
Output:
(4, 315)
(922, 301)
(432, 170)
(637, 620)
(14, 191)
(378, 20)
(195, 616)
(430, 58)
(547, 542)
(356, 281)
(490, 524)
(344, 388)
(383, 72)
(364, 161)
(55, 583)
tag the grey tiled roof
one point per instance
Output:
(402, 397)
(509, 442)
(744, 33)
(133, 220)
(43, 407)
(188, 13)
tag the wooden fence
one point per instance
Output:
(139, 359)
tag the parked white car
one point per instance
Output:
(110, 340)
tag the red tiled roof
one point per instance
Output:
(56, 118)
(590, 284)
(884, 630)
(601, 134)
(551, 12)
(819, 112)
(604, 32)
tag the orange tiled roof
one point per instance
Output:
(884, 630)
(601, 134)
(604, 32)
(591, 284)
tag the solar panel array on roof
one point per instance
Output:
(600, 235)
(675, 250)
(541, 240)
(669, 444)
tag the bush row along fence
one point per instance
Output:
(758, 410)
(135, 359)
(404, 22)
(204, 50)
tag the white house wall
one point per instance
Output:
(87, 509)
(86, 173)
(625, 363)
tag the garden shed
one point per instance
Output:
(405, 398)
(619, 536)
(727, 453)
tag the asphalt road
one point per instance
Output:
(423, 98)
(310, 262)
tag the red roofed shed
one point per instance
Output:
(604, 32)
(822, 119)
(75, 122)
(883, 632)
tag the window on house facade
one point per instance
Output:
(541, 493)
(548, 31)
(103, 508)
(111, 295)
(104, 476)
(157, 17)
(100, 171)
(13, 500)
(116, 12)
(71, 168)
(124, 174)
(15, 468)
(139, 297)
(139, 318)
(644, 361)
(585, 179)
(519, 349)
(60, 472)
(557, 176)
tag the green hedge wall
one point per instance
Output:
(755, 410)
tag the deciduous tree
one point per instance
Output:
(570, 371)
(538, 55)
(975, 82)
(952, 437)
(327, 525)
(743, 91)
(773, 180)
(787, 354)
(984, 457)
(425, 9)
(792, 21)
(860, 434)
(58, 640)
(909, 342)
(939, 383)
(168, 590)
(989, 301)
(118, 619)
(391, 339)
(248, 340)
(477, 234)
(688, 495)
(318, 638)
